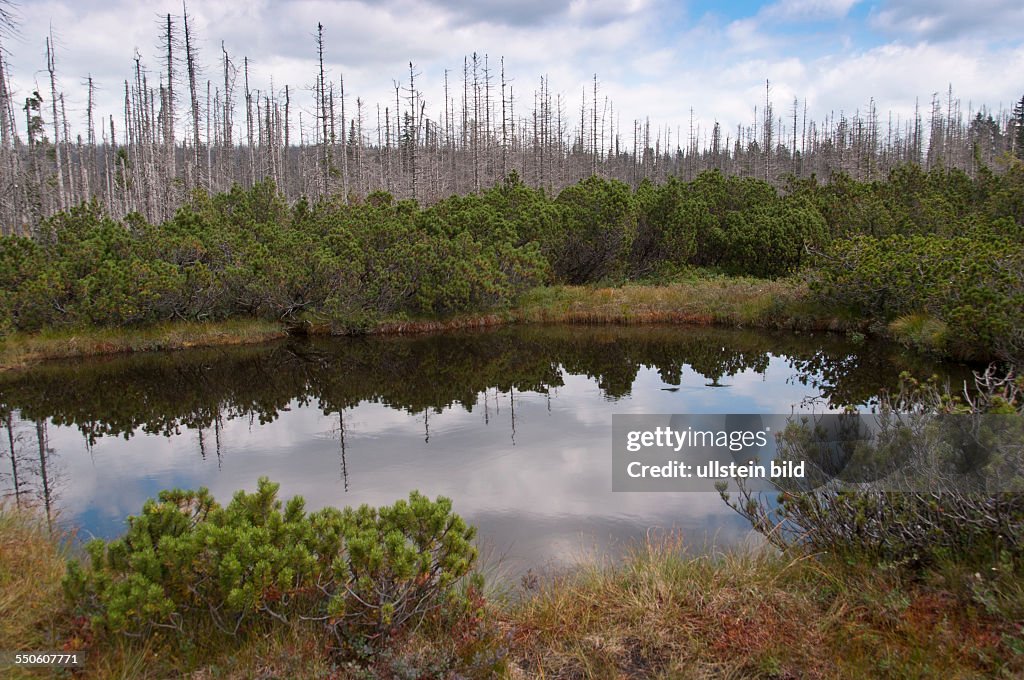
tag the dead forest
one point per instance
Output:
(184, 127)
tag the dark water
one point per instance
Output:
(513, 424)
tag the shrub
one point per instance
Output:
(184, 557)
(596, 232)
(973, 288)
(969, 510)
(187, 564)
(401, 563)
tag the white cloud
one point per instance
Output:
(950, 20)
(808, 9)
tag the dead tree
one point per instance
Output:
(192, 68)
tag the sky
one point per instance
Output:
(653, 58)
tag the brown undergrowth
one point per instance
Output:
(661, 611)
(665, 613)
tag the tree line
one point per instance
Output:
(179, 132)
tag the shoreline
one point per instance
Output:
(736, 302)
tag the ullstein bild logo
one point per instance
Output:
(890, 451)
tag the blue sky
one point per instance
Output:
(653, 58)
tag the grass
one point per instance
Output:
(31, 568)
(24, 349)
(660, 612)
(722, 301)
(697, 299)
(921, 332)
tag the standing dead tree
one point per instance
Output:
(191, 67)
(147, 157)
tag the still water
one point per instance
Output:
(513, 424)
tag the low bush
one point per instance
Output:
(939, 483)
(189, 565)
(970, 290)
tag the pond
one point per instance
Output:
(513, 424)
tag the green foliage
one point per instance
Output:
(402, 562)
(670, 220)
(937, 244)
(187, 564)
(595, 232)
(739, 225)
(245, 252)
(971, 291)
(185, 557)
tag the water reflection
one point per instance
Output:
(514, 424)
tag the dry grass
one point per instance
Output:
(663, 613)
(719, 301)
(462, 321)
(753, 614)
(31, 567)
(724, 301)
(25, 349)
(922, 332)
(279, 653)
(658, 613)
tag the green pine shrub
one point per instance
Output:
(401, 563)
(970, 290)
(189, 565)
(934, 244)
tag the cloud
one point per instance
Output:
(949, 20)
(521, 13)
(808, 10)
(653, 59)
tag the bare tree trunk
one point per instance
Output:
(344, 140)
(43, 452)
(190, 62)
(504, 128)
(227, 98)
(248, 123)
(287, 140)
(14, 458)
(209, 147)
(51, 67)
(9, 191)
(593, 132)
(413, 132)
(6, 112)
(67, 155)
(169, 101)
(322, 105)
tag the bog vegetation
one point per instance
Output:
(190, 566)
(208, 212)
(937, 256)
